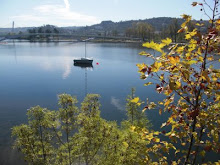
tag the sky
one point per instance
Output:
(29, 13)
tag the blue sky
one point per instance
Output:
(87, 12)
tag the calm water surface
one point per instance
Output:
(35, 73)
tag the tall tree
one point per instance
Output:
(173, 29)
(191, 86)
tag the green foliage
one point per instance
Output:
(75, 135)
(191, 87)
(134, 114)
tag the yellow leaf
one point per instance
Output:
(141, 66)
(143, 53)
(156, 66)
(138, 104)
(157, 140)
(174, 163)
(178, 84)
(199, 51)
(174, 60)
(149, 83)
(210, 58)
(198, 24)
(185, 16)
(135, 100)
(153, 45)
(125, 144)
(180, 49)
(161, 103)
(183, 144)
(156, 133)
(133, 128)
(167, 41)
(191, 34)
(205, 76)
(169, 100)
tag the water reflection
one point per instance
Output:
(83, 65)
(117, 103)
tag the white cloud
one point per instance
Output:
(67, 4)
(59, 15)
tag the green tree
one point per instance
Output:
(67, 116)
(173, 29)
(191, 86)
(74, 136)
(34, 139)
(134, 114)
(144, 30)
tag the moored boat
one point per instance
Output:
(84, 60)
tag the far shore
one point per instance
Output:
(76, 41)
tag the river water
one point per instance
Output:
(35, 73)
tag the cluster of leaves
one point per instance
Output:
(191, 84)
(75, 135)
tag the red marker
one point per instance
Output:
(97, 63)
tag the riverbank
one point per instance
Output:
(92, 41)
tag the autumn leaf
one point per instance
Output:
(191, 34)
(174, 60)
(180, 49)
(135, 100)
(156, 66)
(198, 24)
(184, 16)
(210, 58)
(149, 83)
(205, 76)
(194, 3)
(143, 53)
(167, 41)
(218, 21)
(181, 30)
(153, 45)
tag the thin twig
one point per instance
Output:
(208, 5)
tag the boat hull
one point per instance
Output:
(83, 61)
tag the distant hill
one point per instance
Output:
(106, 28)
(158, 25)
